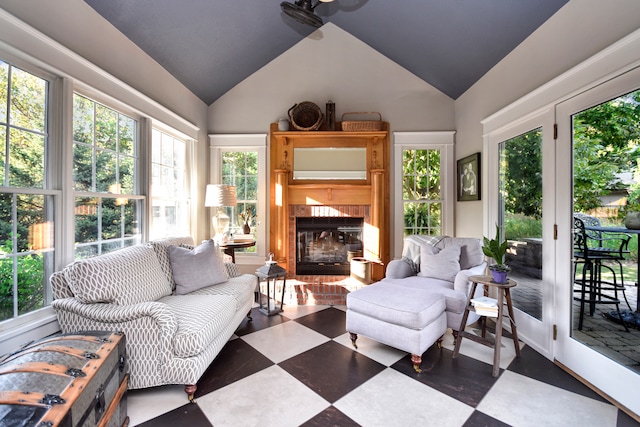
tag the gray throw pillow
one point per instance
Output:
(444, 264)
(197, 268)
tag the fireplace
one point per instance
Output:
(360, 207)
(326, 245)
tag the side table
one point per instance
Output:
(270, 272)
(229, 248)
(504, 295)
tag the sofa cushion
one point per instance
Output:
(443, 264)
(241, 288)
(455, 301)
(126, 276)
(161, 247)
(470, 250)
(197, 268)
(201, 318)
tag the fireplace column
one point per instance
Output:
(376, 234)
(282, 216)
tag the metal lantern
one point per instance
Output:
(270, 272)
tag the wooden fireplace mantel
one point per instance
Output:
(372, 191)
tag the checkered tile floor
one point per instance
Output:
(299, 369)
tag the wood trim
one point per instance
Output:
(374, 191)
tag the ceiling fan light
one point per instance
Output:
(302, 11)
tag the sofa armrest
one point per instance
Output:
(149, 327)
(111, 313)
(400, 268)
(462, 283)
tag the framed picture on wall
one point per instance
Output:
(469, 178)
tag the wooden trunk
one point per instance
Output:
(69, 380)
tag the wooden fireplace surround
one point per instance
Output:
(372, 192)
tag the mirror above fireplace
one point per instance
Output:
(330, 163)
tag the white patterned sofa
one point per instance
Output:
(174, 331)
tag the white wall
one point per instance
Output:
(331, 64)
(576, 32)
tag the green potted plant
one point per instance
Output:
(496, 248)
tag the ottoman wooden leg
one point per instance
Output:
(416, 360)
(354, 337)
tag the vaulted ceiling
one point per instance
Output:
(212, 45)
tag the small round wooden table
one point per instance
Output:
(229, 248)
(503, 296)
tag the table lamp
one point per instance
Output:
(220, 195)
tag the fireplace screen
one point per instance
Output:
(325, 245)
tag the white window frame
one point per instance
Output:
(141, 163)
(189, 166)
(219, 143)
(18, 329)
(439, 140)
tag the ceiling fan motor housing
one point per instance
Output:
(302, 11)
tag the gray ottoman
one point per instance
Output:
(411, 320)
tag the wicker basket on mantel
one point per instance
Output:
(305, 116)
(362, 125)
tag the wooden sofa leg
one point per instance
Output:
(249, 316)
(354, 337)
(439, 342)
(416, 360)
(190, 389)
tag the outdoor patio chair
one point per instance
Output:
(591, 288)
(597, 245)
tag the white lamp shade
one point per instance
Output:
(220, 195)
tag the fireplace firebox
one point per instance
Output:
(326, 245)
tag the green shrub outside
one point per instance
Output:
(30, 283)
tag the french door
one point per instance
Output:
(575, 348)
(521, 185)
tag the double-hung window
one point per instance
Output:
(240, 160)
(27, 203)
(108, 205)
(170, 190)
(424, 184)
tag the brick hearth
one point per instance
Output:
(316, 290)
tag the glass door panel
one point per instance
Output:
(520, 207)
(597, 168)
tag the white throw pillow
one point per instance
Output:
(197, 268)
(444, 264)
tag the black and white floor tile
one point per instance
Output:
(300, 369)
